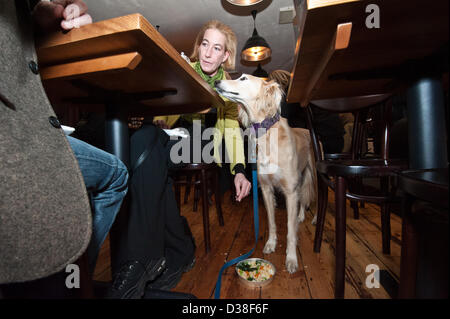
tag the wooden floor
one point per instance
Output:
(315, 277)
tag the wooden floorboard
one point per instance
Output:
(315, 276)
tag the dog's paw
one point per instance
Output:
(314, 221)
(270, 246)
(301, 217)
(291, 265)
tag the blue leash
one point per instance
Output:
(256, 223)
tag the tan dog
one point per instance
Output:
(285, 156)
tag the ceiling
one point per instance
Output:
(180, 20)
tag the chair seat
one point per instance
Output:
(361, 168)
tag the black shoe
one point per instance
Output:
(170, 278)
(130, 281)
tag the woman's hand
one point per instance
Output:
(242, 185)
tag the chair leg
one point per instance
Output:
(196, 194)
(354, 206)
(321, 212)
(386, 228)
(340, 236)
(354, 185)
(188, 187)
(217, 197)
(205, 210)
(385, 218)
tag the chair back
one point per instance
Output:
(359, 106)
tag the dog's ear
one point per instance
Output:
(273, 95)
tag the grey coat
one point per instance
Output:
(45, 217)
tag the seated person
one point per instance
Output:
(45, 215)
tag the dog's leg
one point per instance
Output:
(301, 214)
(291, 248)
(269, 202)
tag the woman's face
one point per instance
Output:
(212, 51)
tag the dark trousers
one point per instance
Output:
(155, 227)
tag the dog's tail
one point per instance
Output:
(309, 184)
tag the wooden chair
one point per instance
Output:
(429, 186)
(339, 172)
(183, 176)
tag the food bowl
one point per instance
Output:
(255, 272)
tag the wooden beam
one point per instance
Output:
(114, 62)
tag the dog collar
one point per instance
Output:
(265, 124)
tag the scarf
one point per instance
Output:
(209, 79)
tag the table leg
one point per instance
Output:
(117, 142)
(116, 133)
(426, 124)
(409, 253)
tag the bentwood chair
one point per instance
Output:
(338, 173)
(203, 175)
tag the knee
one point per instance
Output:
(121, 174)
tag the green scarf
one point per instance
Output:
(209, 79)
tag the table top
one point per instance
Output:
(123, 60)
(426, 184)
(337, 55)
(438, 176)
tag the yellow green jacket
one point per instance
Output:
(227, 126)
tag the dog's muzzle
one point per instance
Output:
(220, 90)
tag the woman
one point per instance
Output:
(158, 239)
(214, 51)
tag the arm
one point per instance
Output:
(235, 148)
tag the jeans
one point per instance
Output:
(106, 180)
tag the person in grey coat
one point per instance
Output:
(45, 177)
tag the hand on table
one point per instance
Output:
(65, 14)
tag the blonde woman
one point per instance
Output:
(214, 52)
(157, 247)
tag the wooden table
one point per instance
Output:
(126, 65)
(338, 56)
(128, 68)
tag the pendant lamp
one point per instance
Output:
(256, 48)
(261, 73)
(244, 3)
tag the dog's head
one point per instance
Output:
(259, 99)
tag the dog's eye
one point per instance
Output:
(243, 79)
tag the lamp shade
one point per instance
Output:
(256, 48)
(244, 3)
(260, 72)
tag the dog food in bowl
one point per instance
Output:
(255, 272)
